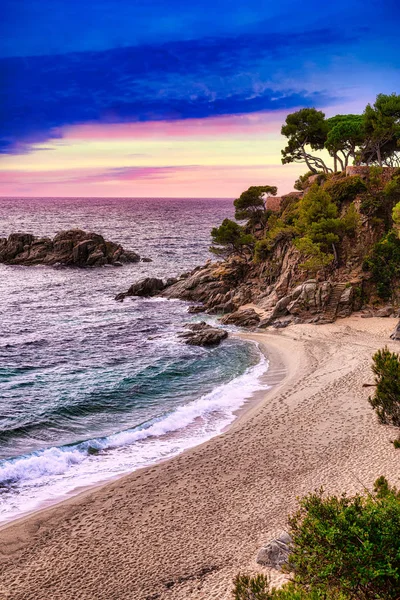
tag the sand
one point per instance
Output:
(182, 529)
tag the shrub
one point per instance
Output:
(230, 238)
(258, 588)
(396, 443)
(386, 401)
(349, 545)
(345, 189)
(252, 588)
(384, 264)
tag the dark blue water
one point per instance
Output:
(91, 388)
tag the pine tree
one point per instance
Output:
(386, 400)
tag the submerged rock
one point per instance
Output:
(74, 248)
(275, 554)
(202, 334)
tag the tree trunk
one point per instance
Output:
(335, 254)
(378, 154)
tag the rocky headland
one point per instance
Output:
(276, 280)
(73, 248)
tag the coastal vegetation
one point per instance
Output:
(343, 548)
(342, 223)
(367, 139)
(386, 400)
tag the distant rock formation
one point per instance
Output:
(73, 248)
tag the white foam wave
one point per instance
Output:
(56, 471)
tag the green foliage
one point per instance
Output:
(257, 587)
(382, 130)
(396, 215)
(301, 183)
(252, 588)
(316, 258)
(384, 264)
(386, 400)
(392, 189)
(345, 189)
(348, 545)
(319, 226)
(396, 443)
(345, 135)
(251, 204)
(350, 221)
(305, 129)
(230, 238)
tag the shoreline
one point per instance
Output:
(181, 529)
(269, 378)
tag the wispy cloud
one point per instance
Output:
(173, 81)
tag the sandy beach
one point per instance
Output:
(182, 529)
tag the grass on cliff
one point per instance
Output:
(343, 548)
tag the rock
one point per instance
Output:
(242, 318)
(69, 248)
(202, 334)
(275, 554)
(147, 260)
(387, 311)
(396, 333)
(281, 324)
(150, 286)
(194, 310)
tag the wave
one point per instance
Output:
(191, 423)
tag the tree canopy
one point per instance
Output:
(251, 204)
(372, 138)
(230, 238)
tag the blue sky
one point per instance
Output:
(69, 63)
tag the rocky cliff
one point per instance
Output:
(283, 283)
(70, 248)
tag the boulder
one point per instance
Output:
(69, 248)
(150, 286)
(202, 334)
(386, 311)
(396, 333)
(242, 318)
(275, 554)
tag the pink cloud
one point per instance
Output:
(249, 124)
(163, 181)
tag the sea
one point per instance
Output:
(91, 388)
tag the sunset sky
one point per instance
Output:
(166, 98)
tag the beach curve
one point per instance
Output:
(183, 528)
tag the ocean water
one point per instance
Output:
(91, 388)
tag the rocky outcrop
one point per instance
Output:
(275, 553)
(202, 334)
(75, 248)
(150, 286)
(242, 318)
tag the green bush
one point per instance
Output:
(230, 238)
(396, 443)
(386, 400)
(257, 587)
(345, 189)
(252, 588)
(384, 264)
(349, 545)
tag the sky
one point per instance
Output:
(165, 98)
